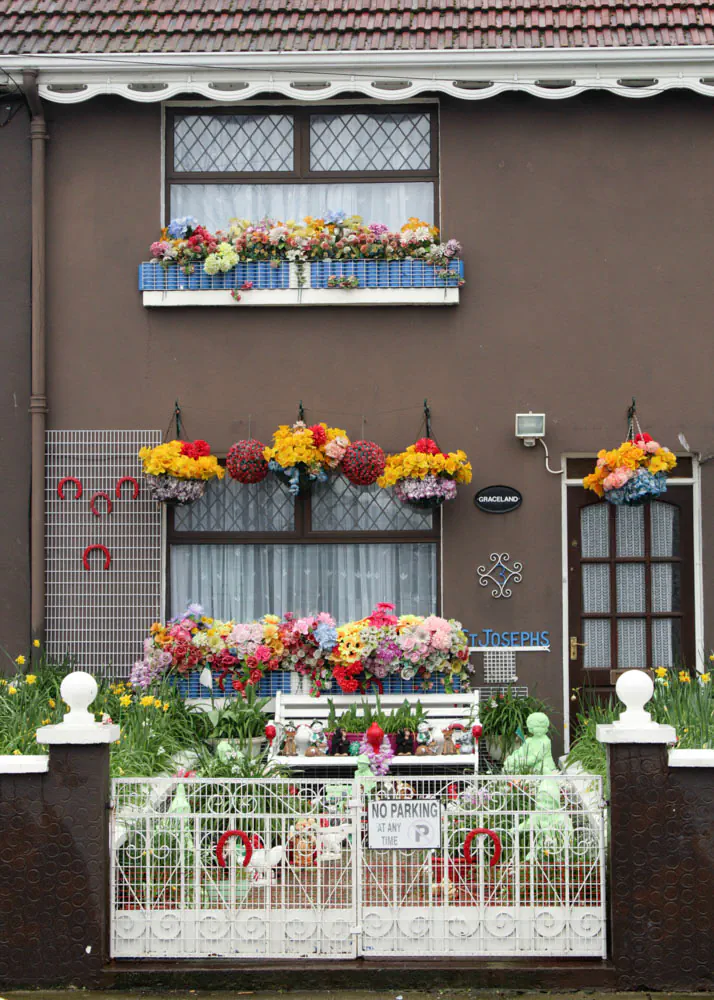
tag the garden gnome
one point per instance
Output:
(535, 756)
(425, 744)
(289, 748)
(449, 749)
(318, 740)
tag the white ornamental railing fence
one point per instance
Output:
(290, 867)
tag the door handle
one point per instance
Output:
(574, 647)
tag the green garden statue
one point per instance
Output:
(535, 756)
(551, 826)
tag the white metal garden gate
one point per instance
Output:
(282, 868)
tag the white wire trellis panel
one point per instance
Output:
(314, 888)
(99, 617)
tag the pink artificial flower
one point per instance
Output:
(617, 479)
(652, 447)
(302, 625)
(263, 654)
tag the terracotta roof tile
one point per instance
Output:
(106, 26)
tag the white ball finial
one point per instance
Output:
(634, 689)
(78, 689)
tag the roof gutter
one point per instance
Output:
(381, 75)
(38, 389)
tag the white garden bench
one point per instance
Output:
(440, 709)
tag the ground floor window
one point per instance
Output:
(244, 551)
(631, 585)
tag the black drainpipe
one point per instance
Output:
(38, 389)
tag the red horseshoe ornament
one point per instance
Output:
(120, 483)
(488, 833)
(100, 496)
(101, 548)
(69, 479)
(225, 838)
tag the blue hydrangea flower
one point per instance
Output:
(326, 635)
(334, 218)
(179, 228)
(643, 486)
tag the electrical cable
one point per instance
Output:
(553, 472)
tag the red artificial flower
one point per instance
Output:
(642, 439)
(425, 446)
(238, 685)
(255, 676)
(319, 435)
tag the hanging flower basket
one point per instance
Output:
(246, 462)
(177, 472)
(633, 473)
(363, 463)
(424, 476)
(301, 455)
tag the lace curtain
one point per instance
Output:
(243, 582)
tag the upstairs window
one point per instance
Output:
(381, 165)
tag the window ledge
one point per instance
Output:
(309, 297)
(376, 283)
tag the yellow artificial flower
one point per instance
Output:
(125, 700)
(661, 672)
(31, 678)
(36, 643)
(20, 659)
(12, 689)
(684, 677)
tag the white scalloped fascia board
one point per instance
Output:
(373, 74)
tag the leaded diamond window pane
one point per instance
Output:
(338, 506)
(370, 142)
(231, 506)
(233, 143)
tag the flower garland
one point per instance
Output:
(355, 655)
(632, 473)
(425, 476)
(312, 451)
(379, 760)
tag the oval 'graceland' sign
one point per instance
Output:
(498, 499)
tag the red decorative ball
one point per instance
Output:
(363, 463)
(375, 735)
(245, 461)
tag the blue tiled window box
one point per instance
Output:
(270, 684)
(386, 273)
(155, 278)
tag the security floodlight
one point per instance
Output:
(530, 426)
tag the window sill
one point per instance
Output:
(376, 283)
(309, 297)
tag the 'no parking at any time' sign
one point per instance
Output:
(400, 825)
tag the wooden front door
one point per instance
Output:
(631, 586)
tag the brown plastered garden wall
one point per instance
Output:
(586, 225)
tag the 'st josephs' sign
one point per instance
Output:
(394, 823)
(498, 499)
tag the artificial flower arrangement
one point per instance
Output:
(633, 473)
(177, 471)
(355, 655)
(304, 453)
(425, 476)
(336, 236)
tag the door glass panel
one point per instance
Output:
(666, 642)
(631, 651)
(630, 587)
(594, 542)
(596, 636)
(596, 588)
(664, 522)
(630, 531)
(666, 588)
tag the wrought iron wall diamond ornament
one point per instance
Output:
(500, 574)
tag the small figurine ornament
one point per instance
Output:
(374, 736)
(318, 740)
(464, 742)
(425, 744)
(449, 748)
(340, 746)
(405, 743)
(289, 748)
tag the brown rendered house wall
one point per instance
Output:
(586, 226)
(15, 382)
